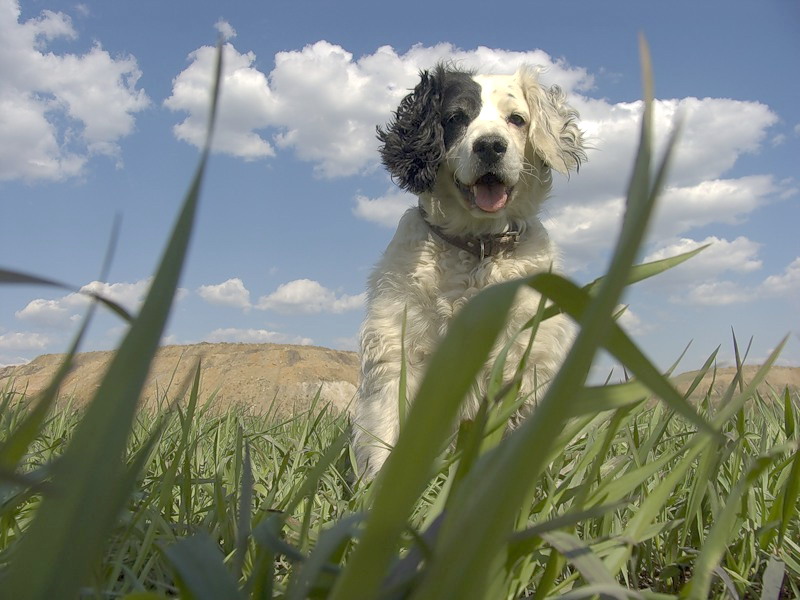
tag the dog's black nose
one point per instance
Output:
(490, 148)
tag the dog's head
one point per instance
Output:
(483, 144)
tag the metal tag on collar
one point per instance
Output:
(484, 250)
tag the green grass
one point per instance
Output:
(621, 490)
(197, 483)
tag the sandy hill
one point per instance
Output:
(777, 380)
(251, 375)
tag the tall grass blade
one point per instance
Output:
(577, 303)
(788, 414)
(20, 438)
(319, 561)
(66, 538)
(791, 495)
(168, 478)
(723, 529)
(772, 581)
(243, 522)
(638, 273)
(409, 467)
(23, 434)
(581, 556)
(200, 571)
(474, 532)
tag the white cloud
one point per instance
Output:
(320, 101)
(305, 296)
(633, 324)
(585, 213)
(739, 255)
(385, 210)
(256, 336)
(797, 129)
(23, 341)
(584, 231)
(715, 133)
(717, 293)
(129, 295)
(778, 140)
(225, 29)
(587, 229)
(58, 110)
(64, 311)
(244, 107)
(301, 296)
(728, 201)
(786, 283)
(52, 313)
(228, 293)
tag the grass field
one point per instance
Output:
(208, 475)
(614, 491)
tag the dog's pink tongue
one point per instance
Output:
(490, 196)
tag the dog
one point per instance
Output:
(479, 152)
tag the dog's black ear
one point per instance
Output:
(413, 142)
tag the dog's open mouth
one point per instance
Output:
(489, 193)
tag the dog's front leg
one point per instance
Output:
(376, 413)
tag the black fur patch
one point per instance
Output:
(461, 105)
(428, 121)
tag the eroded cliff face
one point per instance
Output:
(255, 376)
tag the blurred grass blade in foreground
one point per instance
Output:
(67, 536)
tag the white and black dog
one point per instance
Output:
(478, 150)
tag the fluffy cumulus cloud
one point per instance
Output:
(585, 212)
(301, 296)
(225, 29)
(787, 284)
(64, 311)
(58, 110)
(16, 347)
(52, 313)
(23, 341)
(228, 293)
(304, 296)
(255, 336)
(714, 134)
(321, 102)
(385, 210)
(717, 292)
(739, 255)
(632, 323)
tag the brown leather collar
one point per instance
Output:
(481, 246)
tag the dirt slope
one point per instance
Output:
(253, 375)
(777, 379)
(245, 374)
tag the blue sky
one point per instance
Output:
(101, 112)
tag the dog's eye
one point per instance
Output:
(456, 118)
(516, 119)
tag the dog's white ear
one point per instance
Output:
(554, 132)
